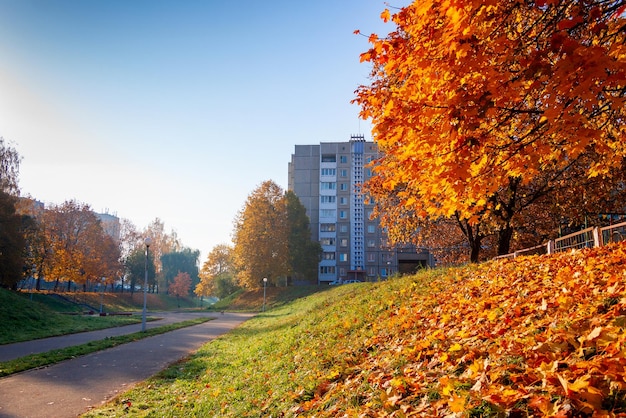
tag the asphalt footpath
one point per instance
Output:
(72, 387)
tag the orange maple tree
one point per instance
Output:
(75, 248)
(475, 103)
(180, 286)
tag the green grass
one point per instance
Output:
(25, 320)
(252, 301)
(32, 361)
(26, 316)
(224, 303)
(270, 363)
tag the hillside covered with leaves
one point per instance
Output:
(534, 336)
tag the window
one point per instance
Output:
(327, 269)
(343, 201)
(371, 228)
(371, 243)
(343, 228)
(328, 199)
(343, 257)
(343, 214)
(326, 185)
(327, 227)
(343, 186)
(371, 271)
(327, 241)
(343, 172)
(328, 256)
(328, 171)
(343, 242)
(371, 257)
(328, 213)
(343, 159)
(329, 158)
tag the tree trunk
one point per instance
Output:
(475, 249)
(504, 240)
(474, 237)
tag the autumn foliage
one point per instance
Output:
(483, 107)
(534, 336)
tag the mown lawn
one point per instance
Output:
(23, 319)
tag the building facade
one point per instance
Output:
(327, 179)
(110, 225)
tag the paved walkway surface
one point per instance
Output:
(72, 387)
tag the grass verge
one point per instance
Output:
(24, 319)
(265, 365)
(33, 361)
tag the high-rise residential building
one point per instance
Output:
(327, 179)
(110, 224)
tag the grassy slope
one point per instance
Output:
(23, 319)
(531, 337)
(252, 301)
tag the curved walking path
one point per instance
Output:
(72, 387)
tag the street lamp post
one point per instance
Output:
(147, 241)
(102, 295)
(264, 286)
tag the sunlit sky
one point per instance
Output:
(176, 110)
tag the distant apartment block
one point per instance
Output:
(110, 225)
(327, 179)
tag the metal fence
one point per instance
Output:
(613, 233)
(587, 238)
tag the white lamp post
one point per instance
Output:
(102, 295)
(264, 286)
(147, 241)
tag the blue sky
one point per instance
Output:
(176, 110)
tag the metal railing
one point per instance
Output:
(587, 238)
(613, 233)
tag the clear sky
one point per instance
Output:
(176, 110)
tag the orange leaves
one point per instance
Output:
(537, 336)
(467, 94)
(385, 15)
(575, 20)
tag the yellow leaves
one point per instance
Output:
(457, 403)
(439, 65)
(497, 333)
(447, 386)
(455, 347)
(385, 15)
(493, 315)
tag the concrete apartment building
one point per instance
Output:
(327, 179)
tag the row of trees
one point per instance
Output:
(498, 121)
(272, 239)
(67, 244)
